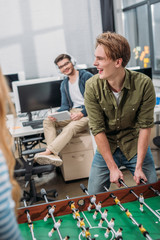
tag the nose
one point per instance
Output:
(95, 63)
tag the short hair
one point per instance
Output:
(61, 57)
(115, 46)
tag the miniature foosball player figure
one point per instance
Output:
(81, 223)
(129, 215)
(56, 226)
(117, 202)
(66, 238)
(72, 205)
(110, 225)
(92, 202)
(87, 233)
(141, 201)
(103, 216)
(142, 230)
(98, 207)
(107, 232)
(50, 210)
(76, 213)
(119, 232)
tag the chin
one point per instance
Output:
(101, 76)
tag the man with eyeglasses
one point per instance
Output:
(72, 99)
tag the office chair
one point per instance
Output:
(156, 141)
(29, 168)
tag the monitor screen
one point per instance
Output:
(35, 95)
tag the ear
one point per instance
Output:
(118, 62)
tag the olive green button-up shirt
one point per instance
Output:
(121, 123)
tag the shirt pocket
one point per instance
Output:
(129, 115)
(108, 110)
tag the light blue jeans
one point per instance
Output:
(100, 175)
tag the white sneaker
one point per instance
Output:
(48, 159)
(99, 225)
(94, 216)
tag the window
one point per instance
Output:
(130, 2)
(138, 36)
(156, 34)
(141, 28)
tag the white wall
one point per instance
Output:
(34, 32)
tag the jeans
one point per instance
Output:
(100, 175)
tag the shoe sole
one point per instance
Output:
(42, 160)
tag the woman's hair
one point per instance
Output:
(115, 46)
(6, 140)
(61, 57)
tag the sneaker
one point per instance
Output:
(48, 159)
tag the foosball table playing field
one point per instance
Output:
(130, 213)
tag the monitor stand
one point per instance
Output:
(29, 116)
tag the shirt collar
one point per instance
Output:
(126, 84)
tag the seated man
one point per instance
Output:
(72, 99)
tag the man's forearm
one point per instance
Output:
(143, 142)
(104, 149)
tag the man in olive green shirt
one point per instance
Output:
(120, 105)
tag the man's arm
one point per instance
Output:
(143, 142)
(104, 148)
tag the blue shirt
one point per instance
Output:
(9, 229)
(66, 102)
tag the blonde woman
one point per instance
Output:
(9, 189)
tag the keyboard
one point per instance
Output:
(34, 124)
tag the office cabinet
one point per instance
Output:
(77, 157)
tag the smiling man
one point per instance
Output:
(120, 116)
(72, 99)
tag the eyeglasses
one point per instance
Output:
(64, 65)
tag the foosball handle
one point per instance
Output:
(142, 181)
(120, 181)
(84, 189)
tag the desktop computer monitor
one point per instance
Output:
(92, 70)
(12, 77)
(146, 71)
(37, 94)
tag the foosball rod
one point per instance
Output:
(123, 209)
(78, 218)
(44, 194)
(151, 188)
(30, 224)
(84, 189)
(131, 191)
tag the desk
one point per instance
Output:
(17, 130)
(69, 225)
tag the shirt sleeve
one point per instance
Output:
(9, 229)
(64, 100)
(94, 111)
(145, 115)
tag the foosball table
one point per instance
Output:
(130, 213)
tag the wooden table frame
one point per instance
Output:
(38, 212)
